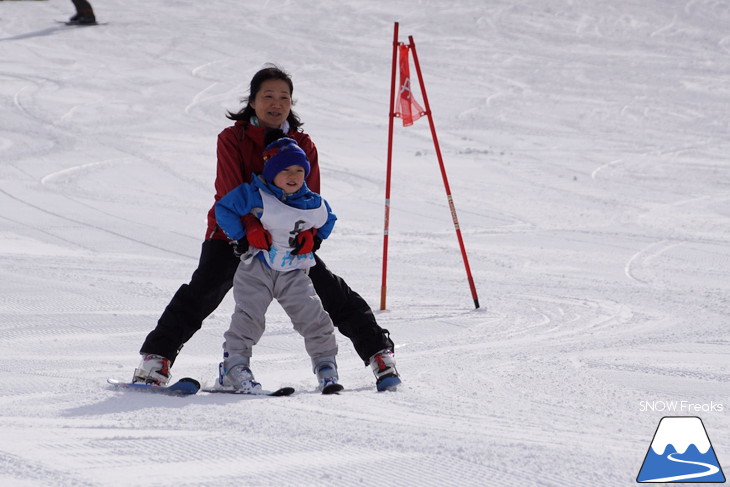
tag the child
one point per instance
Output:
(295, 220)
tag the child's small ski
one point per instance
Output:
(184, 387)
(333, 389)
(282, 391)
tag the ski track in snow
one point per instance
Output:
(586, 151)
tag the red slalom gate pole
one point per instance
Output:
(391, 116)
(443, 171)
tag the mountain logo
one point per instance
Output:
(681, 452)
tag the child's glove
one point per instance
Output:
(256, 234)
(306, 242)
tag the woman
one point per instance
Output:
(240, 155)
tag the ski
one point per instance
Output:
(184, 387)
(333, 389)
(389, 383)
(76, 24)
(281, 392)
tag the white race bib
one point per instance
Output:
(284, 223)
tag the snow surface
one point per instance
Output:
(586, 145)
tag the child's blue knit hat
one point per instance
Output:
(281, 154)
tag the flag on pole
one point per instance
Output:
(410, 110)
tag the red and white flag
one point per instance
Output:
(410, 110)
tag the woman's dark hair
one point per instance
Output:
(267, 73)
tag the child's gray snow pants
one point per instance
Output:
(255, 285)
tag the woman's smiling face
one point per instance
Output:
(272, 103)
